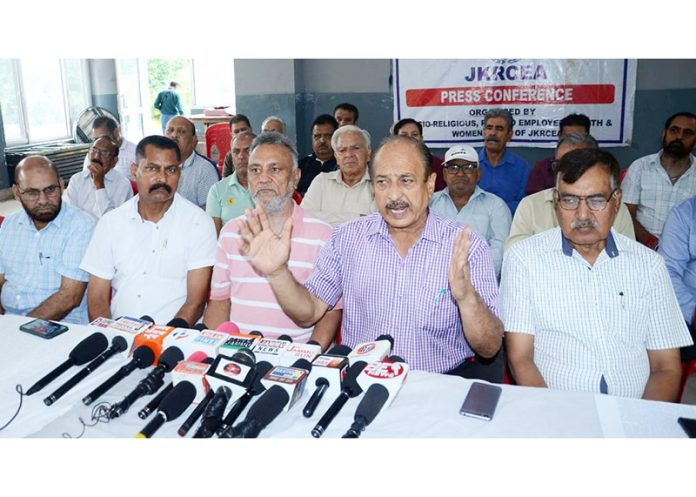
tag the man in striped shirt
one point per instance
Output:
(241, 294)
(586, 308)
(404, 271)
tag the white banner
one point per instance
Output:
(451, 97)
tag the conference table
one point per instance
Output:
(426, 407)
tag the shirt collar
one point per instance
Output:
(610, 248)
(57, 222)
(431, 231)
(133, 208)
(336, 176)
(189, 160)
(233, 180)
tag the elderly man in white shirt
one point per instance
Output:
(154, 254)
(104, 125)
(99, 188)
(586, 308)
(339, 196)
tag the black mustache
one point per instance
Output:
(492, 139)
(160, 185)
(397, 204)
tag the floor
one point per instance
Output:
(8, 207)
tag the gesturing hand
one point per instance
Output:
(459, 274)
(268, 252)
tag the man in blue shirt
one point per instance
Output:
(465, 202)
(502, 172)
(678, 247)
(41, 248)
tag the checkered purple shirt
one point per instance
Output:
(409, 298)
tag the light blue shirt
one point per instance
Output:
(678, 247)
(34, 261)
(485, 213)
(508, 179)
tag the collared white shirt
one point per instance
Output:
(591, 321)
(148, 262)
(126, 158)
(648, 186)
(485, 213)
(333, 201)
(82, 193)
(198, 175)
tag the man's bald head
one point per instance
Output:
(34, 163)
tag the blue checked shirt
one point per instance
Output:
(33, 261)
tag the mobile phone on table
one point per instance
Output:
(688, 425)
(43, 328)
(481, 401)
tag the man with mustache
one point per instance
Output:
(239, 293)
(154, 254)
(503, 173)
(586, 308)
(41, 248)
(105, 126)
(656, 183)
(342, 195)
(404, 271)
(198, 174)
(322, 159)
(99, 188)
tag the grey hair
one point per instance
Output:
(577, 140)
(247, 133)
(350, 128)
(273, 118)
(504, 113)
(273, 138)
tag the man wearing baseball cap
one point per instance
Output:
(464, 202)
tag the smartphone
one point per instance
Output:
(481, 401)
(688, 425)
(44, 329)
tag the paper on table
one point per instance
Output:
(635, 418)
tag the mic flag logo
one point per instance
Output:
(385, 370)
(232, 369)
(366, 349)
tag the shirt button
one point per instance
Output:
(139, 296)
(144, 272)
(153, 251)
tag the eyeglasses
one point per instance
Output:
(465, 168)
(100, 152)
(594, 202)
(33, 194)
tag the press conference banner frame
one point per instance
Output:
(450, 97)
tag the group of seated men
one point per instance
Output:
(374, 246)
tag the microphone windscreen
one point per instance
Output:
(340, 350)
(269, 405)
(177, 400)
(395, 358)
(171, 357)
(313, 342)
(373, 401)
(262, 368)
(89, 348)
(178, 323)
(197, 356)
(200, 326)
(256, 333)
(286, 338)
(119, 344)
(144, 356)
(386, 337)
(147, 318)
(350, 382)
(228, 327)
(245, 356)
(302, 364)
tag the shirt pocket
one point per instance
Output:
(627, 316)
(172, 265)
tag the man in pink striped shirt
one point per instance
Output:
(238, 292)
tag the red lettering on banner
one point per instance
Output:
(512, 95)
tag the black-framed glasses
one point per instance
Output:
(469, 168)
(101, 153)
(594, 202)
(33, 194)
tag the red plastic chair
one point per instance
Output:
(218, 136)
(622, 175)
(134, 187)
(2, 218)
(297, 197)
(688, 368)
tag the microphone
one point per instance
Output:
(372, 351)
(292, 379)
(296, 351)
(147, 318)
(350, 389)
(194, 340)
(240, 404)
(151, 383)
(143, 357)
(118, 345)
(178, 323)
(125, 327)
(154, 403)
(171, 407)
(240, 341)
(152, 337)
(212, 416)
(235, 372)
(382, 382)
(193, 417)
(228, 327)
(268, 349)
(82, 353)
(327, 374)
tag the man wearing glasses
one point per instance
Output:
(586, 308)
(465, 202)
(99, 188)
(41, 248)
